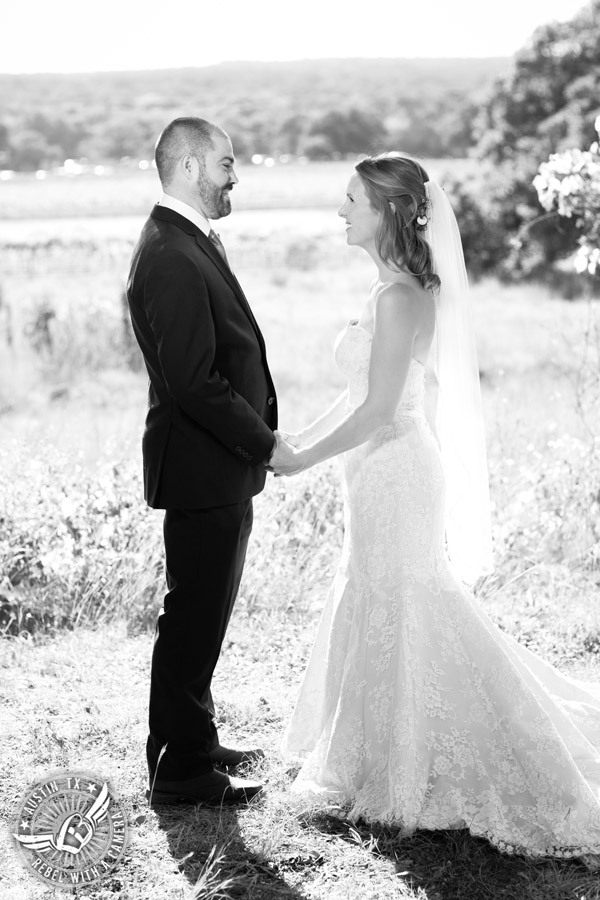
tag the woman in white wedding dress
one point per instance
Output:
(415, 709)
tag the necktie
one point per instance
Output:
(216, 241)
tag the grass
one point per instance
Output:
(129, 191)
(278, 848)
(81, 564)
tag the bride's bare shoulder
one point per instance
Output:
(402, 300)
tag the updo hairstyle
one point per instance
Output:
(395, 186)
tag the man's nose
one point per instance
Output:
(233, 177)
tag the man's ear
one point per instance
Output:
(189, 167)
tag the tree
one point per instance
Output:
(4, 144)
(482, 237)
(30, 150)
(352, 131)
(550, 98)
(293, 132)
(59, 132)
(553, 77)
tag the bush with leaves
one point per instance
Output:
(569, 184)
(547, 102)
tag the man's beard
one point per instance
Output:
(216, 200)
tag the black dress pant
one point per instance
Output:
(205, 551)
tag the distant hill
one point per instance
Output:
(298, 84)
(320, 108)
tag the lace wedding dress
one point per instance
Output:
(415, 709)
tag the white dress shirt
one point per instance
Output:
(178, 206)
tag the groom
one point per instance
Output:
(208, 437)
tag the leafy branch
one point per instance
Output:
(569, 184)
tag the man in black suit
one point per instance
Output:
(208, 438)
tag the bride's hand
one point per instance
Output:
(286, 459)
(295, 440)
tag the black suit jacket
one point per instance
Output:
(212, 406)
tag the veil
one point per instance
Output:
(459, 417)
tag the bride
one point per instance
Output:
(415, 709)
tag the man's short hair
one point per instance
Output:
(187, 134)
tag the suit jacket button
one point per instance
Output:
(271, 401)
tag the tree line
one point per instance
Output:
(319, 109)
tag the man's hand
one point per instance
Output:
(285, 460)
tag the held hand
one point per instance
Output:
(295, 440)
(285, 459)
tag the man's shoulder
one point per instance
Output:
(162, 248)
(164, 236)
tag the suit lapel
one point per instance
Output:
(169, 215)
(209, 248)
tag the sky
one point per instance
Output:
(114, 35)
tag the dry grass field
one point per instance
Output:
(129, 190)
(81, 569)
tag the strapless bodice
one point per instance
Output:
(352, 356)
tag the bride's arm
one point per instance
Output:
(320, 426)
(397, 319)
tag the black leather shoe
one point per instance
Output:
(213, 789)
(225, 758)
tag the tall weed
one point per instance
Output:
(75, 547)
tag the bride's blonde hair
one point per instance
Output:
(395, 186)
